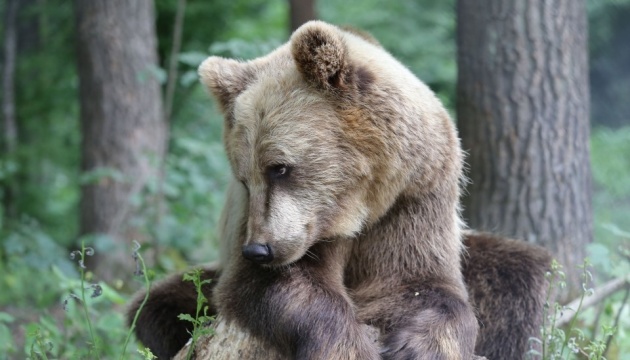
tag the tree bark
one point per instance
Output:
(122, 120)
(523, 115)
(301, 11)
(231, 342)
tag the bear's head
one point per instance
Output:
(325, 133)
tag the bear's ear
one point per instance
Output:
(320, 54)
(226, 78)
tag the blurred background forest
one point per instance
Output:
(43, 217)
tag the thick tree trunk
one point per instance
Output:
(122, 122)
(301, 11)
(523, 114)
(231, 342)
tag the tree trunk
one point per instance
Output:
(28, 28)
(231, 342)
(523, 114)
(9, 124)
(301, 11)
(122, 120)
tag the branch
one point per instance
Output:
(601, 293)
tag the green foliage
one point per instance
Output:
(419, 33)
(90, 326)
(609, 56)
(97, 291)
(7, 343)
(200, 322)
(569, 341)
(45, 171)
(24, 249)
(608, 168)
(610, 160)
(45, 164)
(141, 270)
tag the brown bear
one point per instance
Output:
(505, 280)
(345, 213)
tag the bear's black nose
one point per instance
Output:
(258, 253)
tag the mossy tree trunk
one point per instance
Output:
(122, 123)
(523, 115)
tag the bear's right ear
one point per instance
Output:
(320, 54)
(226, 78)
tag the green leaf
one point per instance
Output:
(600, 256)
(6, 318)
(189, 277)
(186, 317)
(615, 230)
(192, 58)
(188, 78)
(6, 339)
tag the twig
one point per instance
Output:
(600, 294)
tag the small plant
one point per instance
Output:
(97, 291)
(46, 339)
(141, 270)
(146, 354)
(199, 322)
(561, 343)
(40, 346)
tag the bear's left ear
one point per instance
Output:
(226, 78)
(320, 54)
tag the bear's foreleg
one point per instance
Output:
(301, 309)
(427, 321)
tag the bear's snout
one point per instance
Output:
(258, 253)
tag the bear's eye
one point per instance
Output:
(278, 172)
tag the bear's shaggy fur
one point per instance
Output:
(352, 166)
(507, 287)
(346, 207)
(505, 280)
